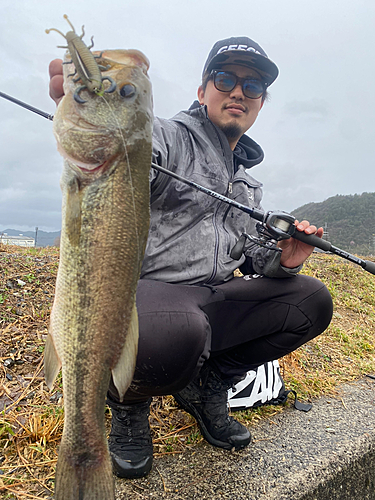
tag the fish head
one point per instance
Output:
(92, 134)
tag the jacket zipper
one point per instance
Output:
(217, 235)
(216, 251)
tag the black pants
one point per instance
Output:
(237, 326)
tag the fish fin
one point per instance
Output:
(52, 363)
(81, 478)
(73, 211)
(122, 373)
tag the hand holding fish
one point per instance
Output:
(56, 90)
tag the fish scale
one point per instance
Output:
(105, 219)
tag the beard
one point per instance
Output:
(231, 131)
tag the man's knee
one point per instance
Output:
(317, 298)
(316, 305)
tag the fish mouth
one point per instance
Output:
(82, 125)
(86, 167)
(92, 169)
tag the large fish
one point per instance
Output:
(106, 143)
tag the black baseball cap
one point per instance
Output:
(243, 51)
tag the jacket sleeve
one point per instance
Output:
(266, 262)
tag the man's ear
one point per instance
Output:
(200, 94)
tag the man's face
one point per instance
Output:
(232, 112)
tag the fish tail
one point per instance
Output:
(77, 482)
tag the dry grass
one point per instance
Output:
(345, 351)
(31, 418)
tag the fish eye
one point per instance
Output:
(127, 90)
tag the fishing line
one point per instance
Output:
(129, 171)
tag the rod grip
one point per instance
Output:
(369, 266)
(313, 240)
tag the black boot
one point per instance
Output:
(206, 399)
(130, 442)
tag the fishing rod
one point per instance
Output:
(27, 106)
(273, 225)
(276, 225)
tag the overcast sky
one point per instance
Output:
(317, 131)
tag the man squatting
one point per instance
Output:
(200, 328)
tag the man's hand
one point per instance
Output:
(56, 90)
(294, 252)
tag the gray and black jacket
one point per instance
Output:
(192, 234)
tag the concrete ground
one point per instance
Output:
(325, 454)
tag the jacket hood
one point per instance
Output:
(247, 152)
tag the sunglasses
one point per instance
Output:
(225, 81)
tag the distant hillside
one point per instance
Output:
(44, 238)
(349, 221)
